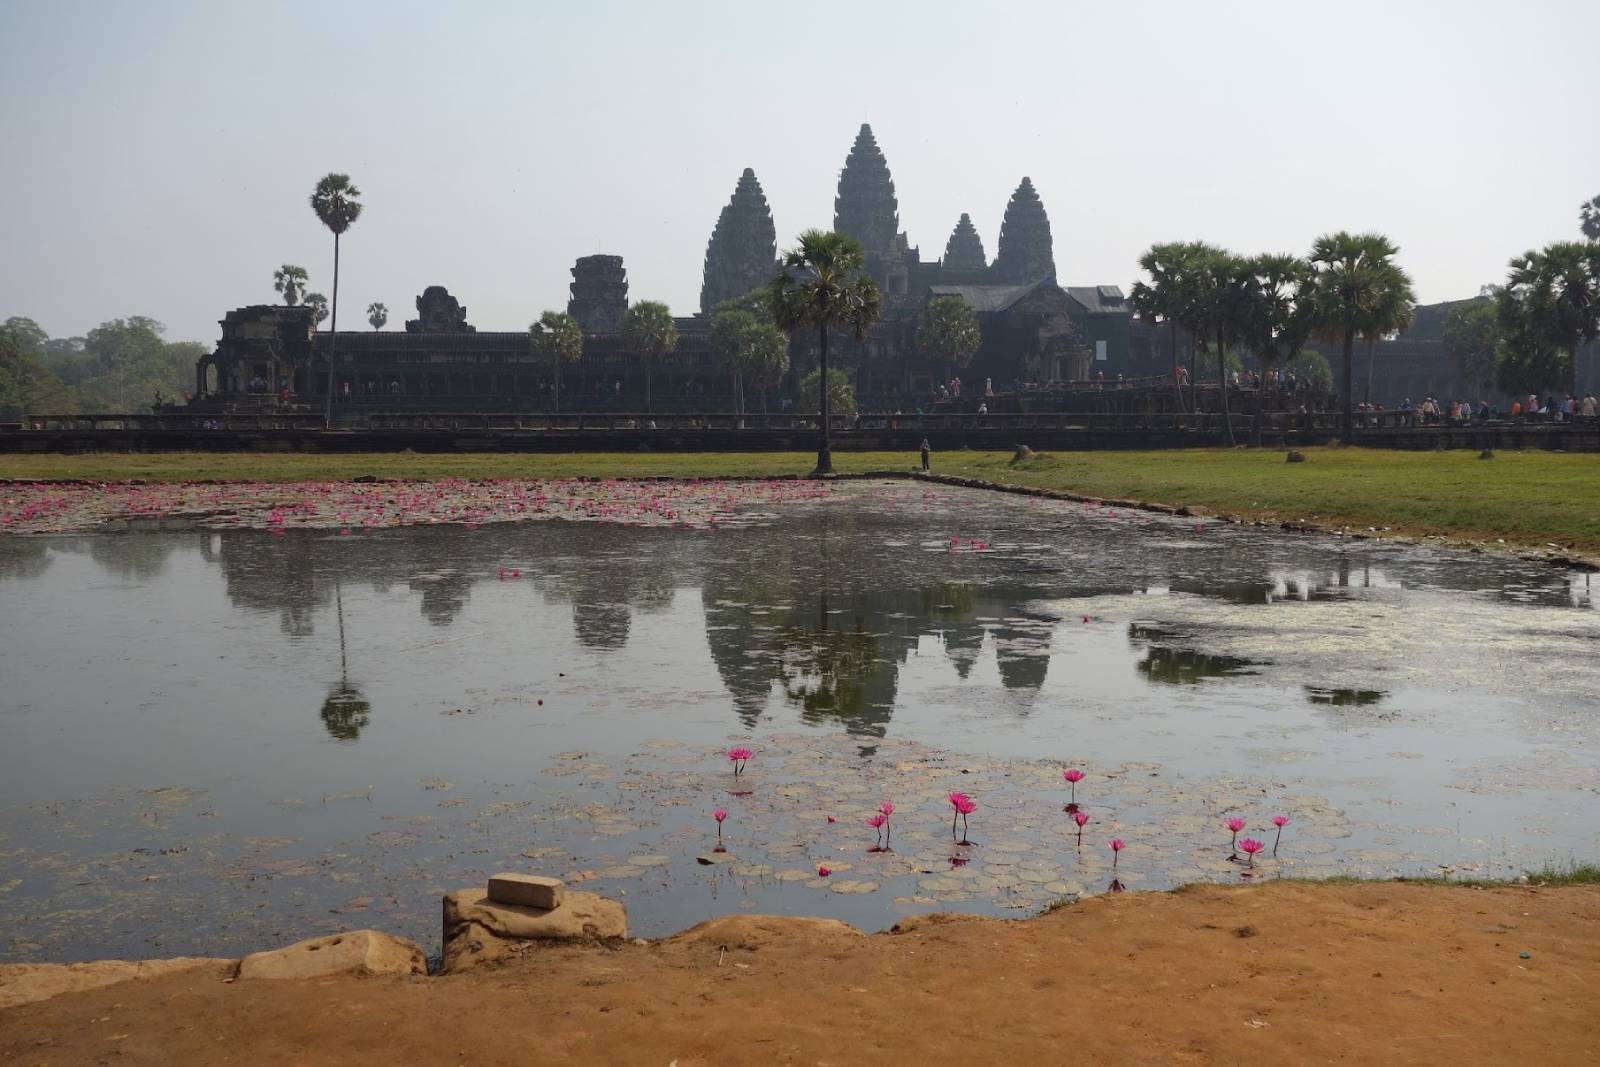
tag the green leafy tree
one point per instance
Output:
(948, 331)
(649, 331)
(27, 384)
(1551, 304)
(1589, 218)
(556, 337)
(1169, 298)
(319, 307)
(1353, 273)
(752, 350)
(377, 315)
(766, 359)
(290, 280)
(1471, 340)
(1311, 367)
(125, 365)
(841, 394)
(337, 204)
(822, 285)
(1279, 316)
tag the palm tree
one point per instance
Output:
(1353, 270)
(1169, 296)
(821, 284)
(557, 337)
(319, 307)
(1589, 218)
(1392, 311)
(337, 204)
(290, 280)
(1280, 315)
(948, 331)
(648, 330)
(1557, 291)
(377, 315)
(1220, 307)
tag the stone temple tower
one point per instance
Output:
(964, 250)
(866, 207)
(1025, 253)
(867, 210)
(743, 250)
(599, 294)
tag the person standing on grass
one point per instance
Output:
(925, 450)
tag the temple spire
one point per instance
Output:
(866, 208)
(1026, 252)
(743, 250)
(964, 250)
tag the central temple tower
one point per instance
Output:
(867, 210)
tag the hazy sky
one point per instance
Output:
(155, 157)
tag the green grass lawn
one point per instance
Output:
(1526, 498)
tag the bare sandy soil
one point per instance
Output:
(1276, 973)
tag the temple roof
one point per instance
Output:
(964, 250)
(866, 207)
(1100, 299)
(988, 298)
(1026, 248)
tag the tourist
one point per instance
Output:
(988, 387)
(925, 450)
(1589, 406)
(983, 409)
(1531, 408)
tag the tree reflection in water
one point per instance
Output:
(347, 711)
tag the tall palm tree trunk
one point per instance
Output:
(1349, 435)
(333, 335)
(1177, 387)
(825, 448)
(1261, 406)
(1222, 384)
(1372, 349)
(647, 385)
(555, 366)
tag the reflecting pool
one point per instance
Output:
(213, 742)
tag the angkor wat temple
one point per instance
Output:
(1034, 329)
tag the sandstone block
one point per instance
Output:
(478, 930)
(25, 983)
(527, 890)
(363, 952)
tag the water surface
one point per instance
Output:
(212, 742)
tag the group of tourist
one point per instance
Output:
(1435, 412)
(1554, 409)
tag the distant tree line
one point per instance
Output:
(121, 365)
(1271, 306)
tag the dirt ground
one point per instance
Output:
(1284, 972)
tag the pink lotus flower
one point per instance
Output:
(1235, 824)
(823, 872)
(739, 756)
(719, 815)
(1280, 821)
(886, 807)
(1081, 818)
(1251, 846)
(832, 819)
(1073, 777)
(1117, 845)
(964, 806)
